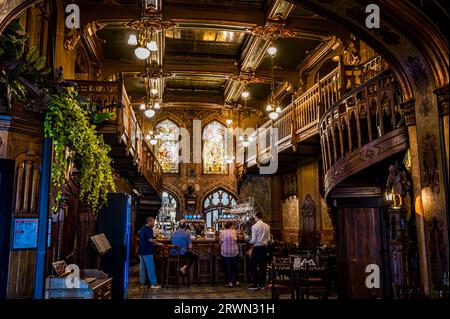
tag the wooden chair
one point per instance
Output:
(281, 277)
(314, 281)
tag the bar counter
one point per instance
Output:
(208, 268)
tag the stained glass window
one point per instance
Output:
(168, 146)
(214, 149)
(169, 200)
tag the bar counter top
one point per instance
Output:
(198, 240)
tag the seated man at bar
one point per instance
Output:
(260, 240)
(182, 239)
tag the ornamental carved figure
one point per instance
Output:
(308, 210)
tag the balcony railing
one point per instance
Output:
(300, 120)
(366, 115)
(123, 128)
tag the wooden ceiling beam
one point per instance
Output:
(213, 14)
(107, 12)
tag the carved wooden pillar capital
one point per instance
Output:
(408, 108)
(442, 94)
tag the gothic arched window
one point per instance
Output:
(214, 149)
(168, 146)
(215, 203)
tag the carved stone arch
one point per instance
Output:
(212, 189)
(175, 192)
(167, 116)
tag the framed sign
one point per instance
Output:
(25, 231)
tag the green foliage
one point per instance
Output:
(76, 139)
(22, 73)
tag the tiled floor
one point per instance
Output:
(203, 291)
(195, 291)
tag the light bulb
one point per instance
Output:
(245, 143)
(245, 94)
(152, 46)
(153, 141)
(148, 137)
(142, 106)
(132, 40)
(273, 115)
(272, 51)
(268, 108)
(142, 53)
(157, 106)
(149, 113)
(278, 110)
(229, 121)
(154, 91)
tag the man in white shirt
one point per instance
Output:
(260, 240)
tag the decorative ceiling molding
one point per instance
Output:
(274, 29)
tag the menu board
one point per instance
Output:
(25, 233)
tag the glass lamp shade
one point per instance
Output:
(142, 106)
(153, 141)
(278, 109)
(154, 91)
(152, 46)
(245, 94)
(273, 115)
(157, 106)
(132, 40)
(142, 53)
(148, 137)
(229, 121)
(272, 51)
(268, 108)
(149, 113)
(245, 143)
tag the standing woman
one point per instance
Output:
(229, 251)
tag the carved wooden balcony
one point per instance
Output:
(131, 153)
(355, 111)
(362, 128)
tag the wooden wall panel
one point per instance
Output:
(360, 244)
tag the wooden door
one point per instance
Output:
(360, 244)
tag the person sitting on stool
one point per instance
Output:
(182, 239)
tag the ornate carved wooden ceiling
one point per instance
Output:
(212, 44)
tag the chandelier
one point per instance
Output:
(145, 31)
(152, 74)
(273, 108)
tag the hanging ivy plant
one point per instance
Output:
(75, 139)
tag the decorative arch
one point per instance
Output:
(168, 146)
(215, 202)
(214, 148)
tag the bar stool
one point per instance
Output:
(219, 274)
(171, 262)
(242, 263)
(204, 262)
(158, 255)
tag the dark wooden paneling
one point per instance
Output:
(360, 244)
